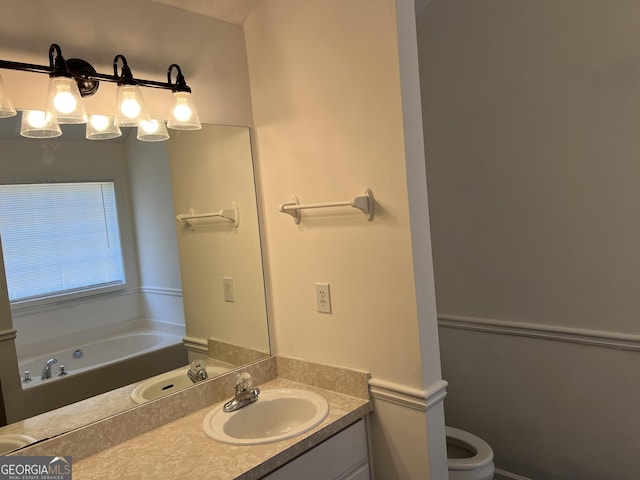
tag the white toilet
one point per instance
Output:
(469, 457)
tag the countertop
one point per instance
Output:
(181, 450)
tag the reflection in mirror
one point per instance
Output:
(169, 292)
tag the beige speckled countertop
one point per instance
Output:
(180, 449)
(84, 412)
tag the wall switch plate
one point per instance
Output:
(323, 298)
(227, 285)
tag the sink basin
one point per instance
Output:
(169, 382)
(12, 441)
(277, 415)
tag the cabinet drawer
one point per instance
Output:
(342, 456)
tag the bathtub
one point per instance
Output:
(96, 367)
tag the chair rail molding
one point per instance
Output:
(197, 345)
(7, 334)
(409, 397)
(599, 338)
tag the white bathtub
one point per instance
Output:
(96, 354)
(103, 365)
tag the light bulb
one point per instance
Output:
(99, 122)
(37, 118)
(130, 108)
(149, 127)
(64, 102)
(182, 112)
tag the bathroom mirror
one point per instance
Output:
(200, 280)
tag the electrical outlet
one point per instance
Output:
(227, 285)
(323, 297)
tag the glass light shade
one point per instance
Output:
(131, 107)
(183, 114)
(6, 104)
(37, 124)
(152, 131)
(64, 103)
(102, 127)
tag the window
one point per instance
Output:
(59, 238)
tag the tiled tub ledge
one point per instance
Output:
(165, 439)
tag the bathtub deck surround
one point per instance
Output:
(98, 361)
(173, 424)
(29, 351)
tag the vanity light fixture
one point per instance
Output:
(183, 114)
(129, 101)
(102, 127)
(6, 104)
(152, 131)
(36, 124)
(64, 103)
(72, 79)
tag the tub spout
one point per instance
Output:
(46, 371)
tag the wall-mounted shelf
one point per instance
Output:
(231, 214)
(365, 203)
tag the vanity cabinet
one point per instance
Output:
(344, 456)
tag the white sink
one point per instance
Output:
(169, 382)
(277, 415)
(12, 441)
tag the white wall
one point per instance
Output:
(531, 121)
(327, 105)
(154, 222)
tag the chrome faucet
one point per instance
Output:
(198, 371)
(244, 393)
(46, 371)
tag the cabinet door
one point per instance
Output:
(343, 456)
(361, 473)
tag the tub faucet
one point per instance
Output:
(198, 371)
(244, 393)
(46, 371)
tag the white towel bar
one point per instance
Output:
(232, 214)
(365, 203)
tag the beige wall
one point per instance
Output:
(326, 94)
(531, 125)
(211, 169)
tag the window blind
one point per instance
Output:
(59, 238)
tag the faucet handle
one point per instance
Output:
(197, 365)
(243, 381)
